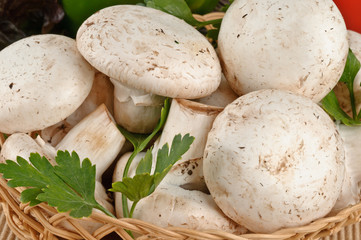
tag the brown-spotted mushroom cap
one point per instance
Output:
(300, 46)
(43, 80)
(150, 50)
(274, 159)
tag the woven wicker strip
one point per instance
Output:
(44, 222)
(5, 231)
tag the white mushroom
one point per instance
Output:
(173, 206)
(100, 93)
(21, 144)
(44, 80)
(300, 46)
(274, 159)
(151, 51)
(351, 190)
(95, 137)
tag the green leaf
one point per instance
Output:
(159, 176)
(140, 143)
(145, 165)
(178, 148)
(348, 76)
(134, 188)
(23, 174)
(69, 186)
(79, 176)
(166, 159)
(30, 195)
(178, 8)
(351, 68)
(135, 139)
(202, 6)
(331, 105)
(78, 198)
(143, 184)
(77, 11)
(226, 6)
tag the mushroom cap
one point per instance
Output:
(173, 206)
(300, 46)
(273, 155)
(150, 50)
(44, 79)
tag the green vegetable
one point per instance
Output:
(202, 6)
(140, 142)
(330, 102)
(180, 9)
(144, 183)
(77, 11)
(227, 5)
(69, 186)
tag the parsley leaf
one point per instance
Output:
(330, 103)
(140, 142)
(332, 107)
(134, 188)
(143, 183)
(69, 186)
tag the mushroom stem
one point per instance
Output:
(223, 96)
(21, 144)
(187, 116)
(136, 110)
(95, 137)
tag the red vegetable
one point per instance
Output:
(351, 11)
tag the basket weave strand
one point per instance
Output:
(43, 222)
(32, 223)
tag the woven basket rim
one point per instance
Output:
(32, 223)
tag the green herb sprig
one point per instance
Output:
(68, 186)
(144, 183)
(330, 103)
(140, 142)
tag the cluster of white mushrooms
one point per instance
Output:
(265, 156)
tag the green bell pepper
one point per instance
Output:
(77, 11)
(202, 6)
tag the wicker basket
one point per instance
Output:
(44, 222)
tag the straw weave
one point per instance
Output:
(43, 221)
